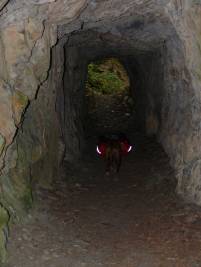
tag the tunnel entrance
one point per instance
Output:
(100, 94)
(108, 101)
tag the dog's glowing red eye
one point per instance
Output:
(129, 149)
(98, 150)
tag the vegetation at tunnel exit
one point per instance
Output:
(107, 76)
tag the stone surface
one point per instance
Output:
(4, 219)
(73, 110)
(3, 3)
(25, 49)
(19, 103)
(40, 2)
(7, 126)
(2, 143)
(63, 11)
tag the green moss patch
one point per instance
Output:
(107, 76)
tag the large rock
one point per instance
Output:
(64, 11)
(19, 42)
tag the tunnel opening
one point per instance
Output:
(108, 101)
(145, 72)
(139, 117)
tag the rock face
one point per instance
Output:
(44, 50)
(3, 3)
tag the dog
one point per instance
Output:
(112, 148)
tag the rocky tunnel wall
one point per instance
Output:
(146, 74)
(161, 88)
(75, 72)
(41, 86)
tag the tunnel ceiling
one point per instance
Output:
(132, 27)
(145, 24)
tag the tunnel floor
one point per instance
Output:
(97, 220)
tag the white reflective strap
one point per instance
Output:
(129, 149)
(98, 151)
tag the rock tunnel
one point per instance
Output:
(45, 47)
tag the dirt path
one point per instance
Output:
(136, 221)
